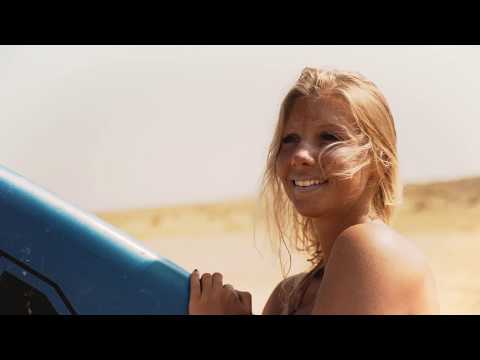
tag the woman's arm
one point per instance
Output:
(273, 305)
(276, 302)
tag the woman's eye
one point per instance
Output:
(289, 139)
(328, 137)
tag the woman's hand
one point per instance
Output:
(208, 296)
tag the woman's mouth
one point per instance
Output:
(308, 185)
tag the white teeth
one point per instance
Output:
(307, 182)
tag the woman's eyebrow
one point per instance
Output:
(339, 121)
(332, 126)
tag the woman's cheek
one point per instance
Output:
(339, 161)
(334, 163)
(281, 163)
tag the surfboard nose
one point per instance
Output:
(76, 261)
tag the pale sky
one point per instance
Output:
(117, 127)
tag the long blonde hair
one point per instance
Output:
(373, 143)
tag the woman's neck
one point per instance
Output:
(327, 229)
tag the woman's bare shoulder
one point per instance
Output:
(276, 302)
(382, 244)
(370, 259)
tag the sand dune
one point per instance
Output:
(442, 218)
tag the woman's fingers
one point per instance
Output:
(230, 291)
(217, 280)
(228, 287)
(245, 298)
(195, 290)
(206, 282)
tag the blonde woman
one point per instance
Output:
(331, 184)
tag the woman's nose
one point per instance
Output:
(303, 157)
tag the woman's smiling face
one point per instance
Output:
(311, 125)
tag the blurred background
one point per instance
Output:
(168, 143)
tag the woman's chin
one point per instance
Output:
(309, 211)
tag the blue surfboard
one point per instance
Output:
(57, 259)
